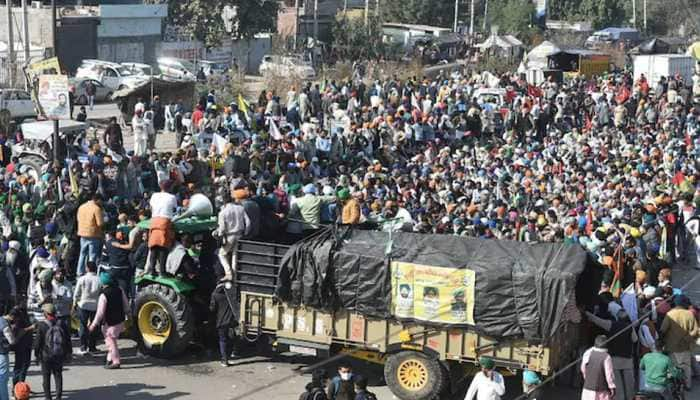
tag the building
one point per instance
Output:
(406, 35)
(288, 27)
(110, 32)
(130, 33)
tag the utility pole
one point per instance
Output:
(376, 11)
(10, 45)
(366, 13)
(296, 23)
(316, 20)
(54, 36)
(25, 28)
(645, 16)
(456, 16)
(486, 14)
(471, 19)
(634, 13)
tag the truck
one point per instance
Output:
(421, 359)
(655, 66)
(611, 36)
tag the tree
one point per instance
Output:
(355, 41)
(202, 18)
(601, 13)
(512, 16)
(426, 12)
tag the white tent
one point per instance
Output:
(539, 54)
(536, 60)
(507, 45)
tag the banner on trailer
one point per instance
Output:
(433, 294)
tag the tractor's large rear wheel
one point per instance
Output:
(414, 376)
(165, 321)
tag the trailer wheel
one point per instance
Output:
(165, 321)
(413, 376)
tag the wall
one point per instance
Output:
(40, 27)
(142, 50)
(131, 21)
(72, 31)
(250, 53)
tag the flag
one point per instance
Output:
(414, 101)
(220, 143)
(275, 130)
(616, 285)
(278, 169)
(534, 91)
(73, 181)
(243, 105)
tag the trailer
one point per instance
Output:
(421, 360)
(655, 66)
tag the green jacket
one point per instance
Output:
(310, 209)
(657, 367)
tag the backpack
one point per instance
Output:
(367, 396)
(314, 394)
(55, 342)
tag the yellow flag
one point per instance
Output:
(73, 182)
(242, 104)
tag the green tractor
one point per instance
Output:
(171, 311)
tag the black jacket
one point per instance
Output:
(40, 351)
(220, 307)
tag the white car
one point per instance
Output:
(18, 102)
(112, 75)
(176, 68)
(286, 66)
(139, 69)
(497, 96)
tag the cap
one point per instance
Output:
(531, 378)
(486, 362)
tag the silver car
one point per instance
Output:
(102, 92)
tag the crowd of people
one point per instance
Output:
(609, 163)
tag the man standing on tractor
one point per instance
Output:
(162, 234)
(233, 224)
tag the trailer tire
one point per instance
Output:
(414, 376)
(165, 321)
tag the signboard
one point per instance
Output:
(432, 294)
(47, 66)
(53, 96)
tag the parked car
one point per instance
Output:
(111, 75)
(18, 103)
(140, 69)
(610, 36)
(102, 94)
(490, 95)
(286, 65)
(213, 67)
(176, 68)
